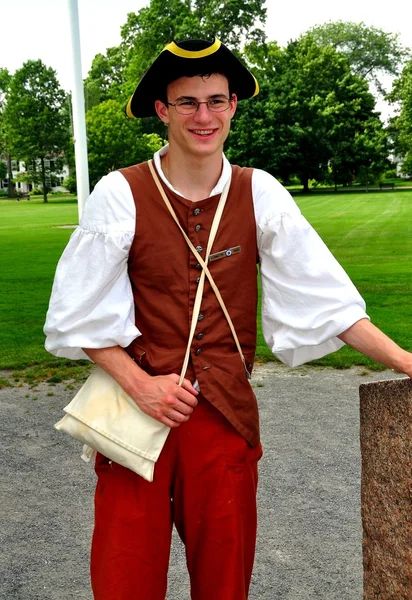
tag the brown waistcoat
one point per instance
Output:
(164, 272)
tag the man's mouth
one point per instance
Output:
(203, 132)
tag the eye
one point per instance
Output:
(217, 101)
(186, 103)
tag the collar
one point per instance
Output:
(218, 189)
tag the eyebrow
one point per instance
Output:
(194, 98)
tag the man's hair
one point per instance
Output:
(163, 94)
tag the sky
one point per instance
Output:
(33, 29)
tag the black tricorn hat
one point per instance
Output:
(187, 59)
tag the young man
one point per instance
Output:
(124, 294)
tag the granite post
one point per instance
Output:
(386, 448)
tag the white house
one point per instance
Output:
(398, 161)
(19, 167)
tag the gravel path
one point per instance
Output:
(309, 542)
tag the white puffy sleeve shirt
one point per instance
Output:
(307, 298)
(91, 304)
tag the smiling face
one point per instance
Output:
(204, 132)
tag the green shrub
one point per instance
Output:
(70, 184)
(36, 192)
(391, 174)
(292, 181)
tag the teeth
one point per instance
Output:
(203, 132)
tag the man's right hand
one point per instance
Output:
(163, 399)
(158, 396)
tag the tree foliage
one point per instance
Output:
(3, 170)
(310, 111)
(402, 124)
(114, 141)
(106, 77)
(34, 118)
(5, 79)
(370, 52)
(371, 148)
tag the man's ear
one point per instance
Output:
(233, 105)
(162, 111)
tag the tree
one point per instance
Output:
(5, 79)
(3, 170)
(256, 138)
(106, 77)
(371, 148)
(401, 124)
(115, 141)
(370, 52)
(37, 125)
(309, 112)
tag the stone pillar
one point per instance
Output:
(386, 447)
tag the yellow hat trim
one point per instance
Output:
(129, 110)
(174, 49)
(257, 85)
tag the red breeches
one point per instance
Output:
(205, 483)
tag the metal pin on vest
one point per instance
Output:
(225, 253)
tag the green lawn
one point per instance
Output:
(370, 234)
(30, 245)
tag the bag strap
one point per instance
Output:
(199, 292)
(205, 271)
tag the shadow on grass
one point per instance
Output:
(62, 201)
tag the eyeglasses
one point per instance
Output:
(189, 107)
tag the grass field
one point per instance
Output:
(30, 245)
(370, 234)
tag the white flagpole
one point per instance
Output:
(79, 118)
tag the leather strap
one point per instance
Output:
(205, 271)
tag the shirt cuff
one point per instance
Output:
(295, 356)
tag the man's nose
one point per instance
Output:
(203, 113)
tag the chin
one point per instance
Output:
(204, 152)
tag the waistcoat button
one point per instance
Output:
(198, 227)
(199, 249)
(200, 317)
(196, 211)
(198, 351)
(197, 280)
(200, 336)
(198, 266)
